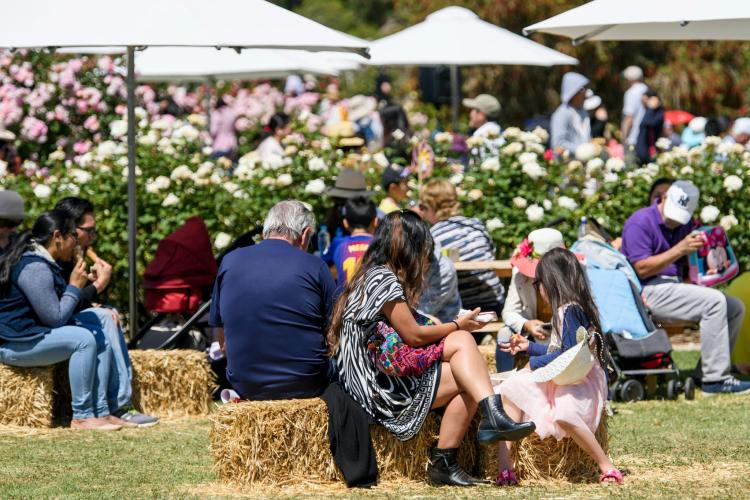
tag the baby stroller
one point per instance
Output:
(178, 284)
(640, 353)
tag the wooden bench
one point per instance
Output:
(502, 268)
(165, 383)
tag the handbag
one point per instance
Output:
(572, 366)
(714, 263)
(393, 357)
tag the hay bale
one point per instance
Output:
(488, 352)
(26, 396)
(172, 383)
(537, 459)
(285, 442)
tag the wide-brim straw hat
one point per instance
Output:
(570, 367)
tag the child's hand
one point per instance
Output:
(518, 343)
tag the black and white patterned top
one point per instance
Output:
(400, 404)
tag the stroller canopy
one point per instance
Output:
(183, 259)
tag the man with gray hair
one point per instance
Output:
(633, 107)
(273, 301)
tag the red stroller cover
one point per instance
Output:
(184, 265)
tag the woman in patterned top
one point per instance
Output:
(386, 288)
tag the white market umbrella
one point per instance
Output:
(161, 23)
(456, 36)
(651, 20)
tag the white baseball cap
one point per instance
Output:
(681, 201)
(633, 74)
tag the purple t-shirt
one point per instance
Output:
(646, 235)
(348, 254)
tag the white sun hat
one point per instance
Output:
(570, 367)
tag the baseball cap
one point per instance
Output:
(681, 201)
(741, 126)
(633, 74)
(11, 206)
(484, 103)
(393, 175)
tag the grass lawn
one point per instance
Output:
(680, 449)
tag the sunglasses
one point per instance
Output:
(91, 231)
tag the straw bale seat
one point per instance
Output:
(283, 442)
(165, 383)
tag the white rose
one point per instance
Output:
(284, 180)
(542, 134)
(161, 124)
(527, 158)
(231, 187)
(712, 140)
(611, 177)
(494, 224)
(140, 113)
(273, 162)
(594, 165)
(73, 189)
(586, 151)
(535, 147)
(512, 133)
(138, 171)
(222, 241)
(240, 194)
(159, 184)
(475, 141)
(663, 143)
(512, 149)
(534, 170)
(615, 165)
(170, 201)
(687, 170)
(547, 204)
(456, 179)
(535, 213)
(490, 165)
(397, 134)
(567, 203)
(381, 160)
(182, 172)
(80, 176)
(268, 181)
(728, 222)
(118, 128)
(475, 194)
(315, 186)
(444, 138)
(724, 148)
(732, 183)
(3, 168)
(149, 139)
(317, 164)
(709, 214)
(519, 202)
(105, 150)
(57, 155)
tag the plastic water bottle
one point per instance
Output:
(324, 240)
(582, 228)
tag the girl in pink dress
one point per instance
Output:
(559, 410)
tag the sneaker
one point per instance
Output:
(132, 416)
(728, 386)
(118, 421)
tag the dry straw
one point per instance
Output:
(26, 396)
(286, 442)
(172, 383)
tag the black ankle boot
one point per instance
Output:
(443, 470)
(496, 425)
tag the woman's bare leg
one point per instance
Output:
(467, 365)
(588, 443)
(459, 410)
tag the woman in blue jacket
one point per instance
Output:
(36, 309)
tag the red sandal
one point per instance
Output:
(612, 476)
(507, 478)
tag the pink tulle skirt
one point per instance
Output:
(547, 404)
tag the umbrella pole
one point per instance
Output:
(454, 96)
(207, 105)
(132, 213)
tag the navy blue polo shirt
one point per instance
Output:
(274, 302)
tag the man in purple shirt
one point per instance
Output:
(657, 241)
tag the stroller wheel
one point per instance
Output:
(673, 389)
(689, 389)
(631, 390)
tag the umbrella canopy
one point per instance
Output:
(651, 20)
(165, 23)
(678, 116)
(179, 64)
(457, 36)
